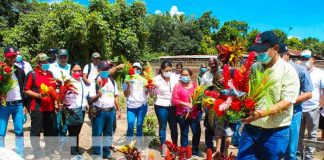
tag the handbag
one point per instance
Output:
(75, 116)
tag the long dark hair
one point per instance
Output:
(73, 65)
(165, 64)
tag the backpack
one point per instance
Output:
(89, 69)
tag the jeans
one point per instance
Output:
(209, 133)
(133, 114)
(46, 122)
(166, 115)
(294, 134)
(266, 144)
(17, 113)
(194, 124)
(102, 125)
(310, 120)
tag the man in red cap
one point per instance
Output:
(14, 102)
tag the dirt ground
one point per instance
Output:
(85, 140)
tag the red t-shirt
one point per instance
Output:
(43, 104)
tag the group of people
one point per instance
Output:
(270, 132)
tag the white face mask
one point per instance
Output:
(166, 74)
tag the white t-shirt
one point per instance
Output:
(164, 89)
(207, 79)
(138, 95)
(93, 72)
(76, 100)
(14, 94)
(108, 91)
(25, 66)
(56, 69)
(317, 77)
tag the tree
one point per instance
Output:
(241, 26)
(182, 45)
(161, 28)
(207, 46)
(226, 34)
(282, 36)
(207, 24)
(294, 43)
(250, 37)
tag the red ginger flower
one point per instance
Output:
(236, 105)
(217, 103)
(131, 71)
(249, 104)
(7, 70)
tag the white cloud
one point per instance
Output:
(174, 11)
(54, 1)
(158, 12)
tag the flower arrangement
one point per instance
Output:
(148, 74)
(173, 152)
(232, 52)
(129, 151)
(240, 94)
(6, 81)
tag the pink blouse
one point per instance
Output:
(180, 93)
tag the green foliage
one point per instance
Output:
(260, 87)
(119, 28)
(294, 43)
(149, 125)
(250, 37)
(231, 31)
(207, 24)
(282, 36)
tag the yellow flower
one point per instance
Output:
(44, 88)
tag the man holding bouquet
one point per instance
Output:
(266, 132)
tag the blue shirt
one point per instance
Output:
(305, 82)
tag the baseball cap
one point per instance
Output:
(41, 57)
(63, 52)
(282, 49)
(53, 50)
(136, 64)
(95, 55)
(104, 65)
(264, 41)
(306, 54)
(10, 51)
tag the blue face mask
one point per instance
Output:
(185, 79)
(138, 72)
(19, 59)
(264, 58)
(45, 67)
(25, 118)
(104, 74)
(203, 70)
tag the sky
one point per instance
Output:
(306, 17)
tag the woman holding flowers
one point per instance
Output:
(165, 112)
(75, 104)
(186, 113)
(39, 87)
(136, 93)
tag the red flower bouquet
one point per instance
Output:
(241, 92)
(6, 81)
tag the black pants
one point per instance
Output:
(74, 131)
(173, 124)
(46, 122)
(209, 133)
